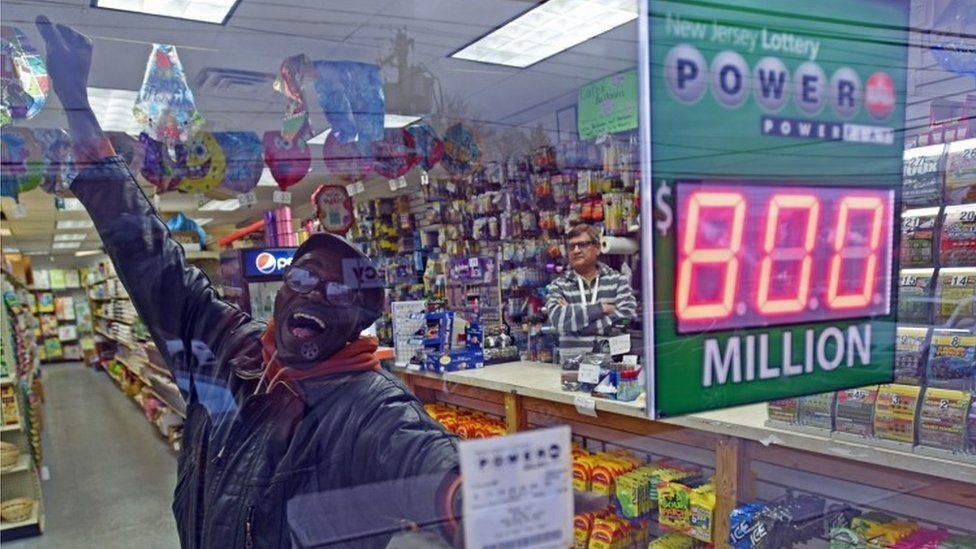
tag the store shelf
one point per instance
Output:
(176, 410)
(33, 520)
(23, 464)
(6, 380)
(129, 364)
(114, 319)
(196, 256)
(9, 428)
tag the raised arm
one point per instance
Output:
(193, 329)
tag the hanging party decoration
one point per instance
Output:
(333, 208)
(59, 162)
(165, 106)
(288, 159)
(346, 161)
(24, 81)
(22, 163)
(395, 154)
(160, 166)
(244, 157)
(186, 231)
(954, 44)
(351, 96)
(462, 150)
(428, 147)
(127, 147)
(290, 83)
(205, 164)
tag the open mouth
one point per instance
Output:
(197, 172)
(304, 325)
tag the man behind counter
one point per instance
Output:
(584, 302)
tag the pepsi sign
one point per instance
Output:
(266, 263)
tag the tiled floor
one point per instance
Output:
(111, 477)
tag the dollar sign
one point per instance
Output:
(661, 202)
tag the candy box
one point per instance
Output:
(674, 503)
(701, 519)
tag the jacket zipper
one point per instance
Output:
(249, 528)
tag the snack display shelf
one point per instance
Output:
(6, 380)
(175, 410)
(114, 319)
(23, 464)
(130, 364)
(13, 427)
(34, 520)
(201, 255)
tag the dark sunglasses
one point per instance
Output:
(304, 281)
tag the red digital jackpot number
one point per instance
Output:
(752, 255)
(694, 256)
(783, 257)
(844, 252)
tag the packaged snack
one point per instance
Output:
(956, 289)
(914, 291)
(918, 237)
(952, 359)
(674, 506)
(607, 533)
(855, 410)
(582, 526)
(960, 178)
(894, 414)
(817, 411)
(957, 246)
(748, 527)
(861, 524)
(702, 518)
(942, 419)
(627, 495)
(786, 410)
(922, 176)
(911, 351)
(672, 540)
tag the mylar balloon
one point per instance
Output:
(205, 164)
(159, 168)
(462, 150)
(333, 208)
(164, 106)
(346, 161)
(288, 160)
(429, 148)
(23, 165)
(351, 96)
(59, 162)
(24, 81)
(244, 156)
(394, 155)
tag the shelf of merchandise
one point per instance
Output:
(10, 428)
(130, 364)
(201, 255)
(23, 464)
(6, 380)
(528, 394)
(34, 520)
(175, 410)
(114, 319)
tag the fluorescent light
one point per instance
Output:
(201, 221)
(548, 29)
(207, 11)
(72, 205)
(75, 224)
(399, 120)
(228, 205)
(5, 232)
(38, 253)
(83, 253)
(11, 251)
(113, 109)
(69, 237)
(65, 245)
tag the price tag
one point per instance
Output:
(20, 211)
(585, 405)
(619, 344)
(247, 199)
(351, 189)
(589, 373)
(402, 182)
(424, 179)
(473, 262)
(518, 490)
(393, 184)
(360, 187)
(630, 360)
(282, 197)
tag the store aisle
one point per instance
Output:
(112, 477)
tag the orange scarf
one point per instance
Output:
(358, 355)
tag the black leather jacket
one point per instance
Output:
(345, 459)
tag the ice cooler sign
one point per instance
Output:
(775, 165)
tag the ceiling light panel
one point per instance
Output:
(548, 29)
(69, 237)
(65, 245)
(206, 11)
(75, 224)
(228, 205)
(113, 109)
(83, 253)
(11, 250)
(72, 205)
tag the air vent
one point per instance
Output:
(231, 82)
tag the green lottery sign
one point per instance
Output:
(608, 105)
(775, 167)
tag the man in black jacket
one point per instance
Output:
(294, 435)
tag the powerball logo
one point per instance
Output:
(267, 263)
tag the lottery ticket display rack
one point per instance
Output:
(750, 459)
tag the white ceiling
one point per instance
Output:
(261, 33)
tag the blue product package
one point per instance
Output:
(747, 529)
(351, 96)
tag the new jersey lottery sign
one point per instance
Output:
(775, 156)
